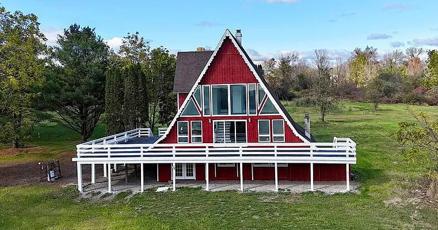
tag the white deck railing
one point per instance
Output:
(112, 150)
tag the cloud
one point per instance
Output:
(51, 35)
(378, 36)
(114, 43)
(425, 42)
(281, 1)
(207, 24)
(255, 55)
(396, 7)
(342, 15)
(397, 44)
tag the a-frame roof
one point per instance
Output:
(296, 129)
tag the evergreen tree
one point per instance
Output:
(114, 97)
(135, 106)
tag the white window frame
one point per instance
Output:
(196, 107)
(177, 132)
(191, 132)
(229, 100)
(264, 135)
(278, 135)
(246, 129)
(269, 165)
(256, 99)
(226, 165)
(199, 104)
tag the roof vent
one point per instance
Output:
(239, 36)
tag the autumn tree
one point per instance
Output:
(362, 66)
(75, 86)
(21, 73)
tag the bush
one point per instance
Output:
(431, 97)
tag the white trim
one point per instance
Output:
(177, 100)
(184, 172)
(177, 132)
(191, 132)
(209, 100)
(269, 165)
(226, 165)
(228, 34)
(256, 99)
(264, 135)
(278, 135)
(196, 107)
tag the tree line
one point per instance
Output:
(395, 77)
(79, 78)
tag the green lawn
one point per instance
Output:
(384, 176)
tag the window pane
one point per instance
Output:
(196, 128)
(261, 94)
(240, 132)
(183, 129)
(277, 127)
(183, 139)
(190, 109)
(206, 100)
(220, 100)
(264, 139)
(252, 99)
(269, 108)
(196, 139)
(219, 132)
(264, 127)
(278, 138)
(238, 99)
(197, 95)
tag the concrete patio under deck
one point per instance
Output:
(119, 185)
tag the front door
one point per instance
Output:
(185, 171)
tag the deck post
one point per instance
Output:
(109, 178)
(115, 167)
(141, 177)
(158, 172)
(276, 176)
(241, 176)
(311, 177)
(173, 177)
(206, 177)
(79, 168)
(347, 176)
(104, 170)
(252, 171)
(93, 173)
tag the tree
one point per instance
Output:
(431, 78)
(114, 97)
(420, 141)
(76, 81)
(21, 73)
(384, 86)
(363, 66)
(135, 105)
(162, 105)
(415, 67)
(322, 87)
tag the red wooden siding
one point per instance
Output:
(181, 98)
(294, 172)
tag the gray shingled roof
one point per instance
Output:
(189, 66)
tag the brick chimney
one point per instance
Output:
(200, 49)
(239, 36)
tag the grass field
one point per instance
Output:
(384, 200)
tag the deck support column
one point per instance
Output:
(141, 177)
(206, 177)
(79, 168)
(241, 176)
(276, 176)
(173, 177)
(158, 172)
(104, 170)
(93, 173)
(109, 178)
(347, 176)
(252, 171)
(311, 177)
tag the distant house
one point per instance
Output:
(229, 126)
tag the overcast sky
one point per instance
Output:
(270, 27)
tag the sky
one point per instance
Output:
(270, 28)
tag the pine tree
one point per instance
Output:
(114, 97)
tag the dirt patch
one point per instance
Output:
(16, 151)
(30, 173)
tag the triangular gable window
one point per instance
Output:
(269, 108)
(190, 109)
(197, 95)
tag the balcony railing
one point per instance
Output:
(113, 150)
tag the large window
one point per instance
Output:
(261, 94)
(220, 99)
(252, 100)
(183, 131)
(197, 95)
(278, 130)
(269, 108)
(190, 109)
(196, 133)
(264, 131)
(206, 91)
(229, 131)
(238, 99)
